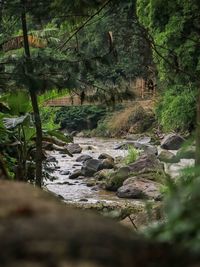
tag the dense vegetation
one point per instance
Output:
(173, 28)
(80, 118)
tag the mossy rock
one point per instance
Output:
(168, 157)
(186, 153)
(116, 179)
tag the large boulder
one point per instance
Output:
(116, 179)
(186, 153)
(103, 174)
(172, 142)
(83, 158)
(91, 166)
(75, 174)
(105, 156)
(146, 163)
(147, 148)
(139, 188)
(167, 156)
(107, 164)
(74, 148)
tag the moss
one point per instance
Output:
(116, 179)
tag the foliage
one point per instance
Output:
(132, 155)
(80, 118)
(177, 109)
(173, 30)
(182, 212)
(102, 129)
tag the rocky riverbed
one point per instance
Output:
(88, 179)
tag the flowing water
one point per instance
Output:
(77, 190)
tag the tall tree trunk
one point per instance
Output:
(33, 95)
(197, 159)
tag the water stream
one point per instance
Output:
(77, 190)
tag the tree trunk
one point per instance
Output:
(197, 159)
(33, 95)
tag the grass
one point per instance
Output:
(132, 155)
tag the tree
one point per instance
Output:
(32, 90)
(59, 53)
(174, 34)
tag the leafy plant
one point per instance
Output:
(80, 118)
(132, 155)
(177, 110)
(182, 212)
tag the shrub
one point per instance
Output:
(177, 110)
(78, 118)
(132, 155)
(182, 212)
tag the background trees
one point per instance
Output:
(173, 28)
(75, 45)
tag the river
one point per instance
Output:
(77, 190)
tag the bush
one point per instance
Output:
(78, 118)
(182, 212)
(177, 110)
(132, 155)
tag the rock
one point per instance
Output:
(105, 156)
(140, 188)
(52, 159)
(119, 159)
(75, 174)
(83, 158)
(103, 174)
(91, 147)
(74, 148)
(57, 167)
(167, 156)
(76, 165)
(133, 137)
(65, 172)
(144, 140)
(80, 134)
(186, 153)
(172, 142)
(51, 147)
(90, 167)
(83, 200)
(146, 163)
(149, 149)
(107, 164)
(116, 179)
(81, 177)
(91, 182)
(50, 169)
(74, 133)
